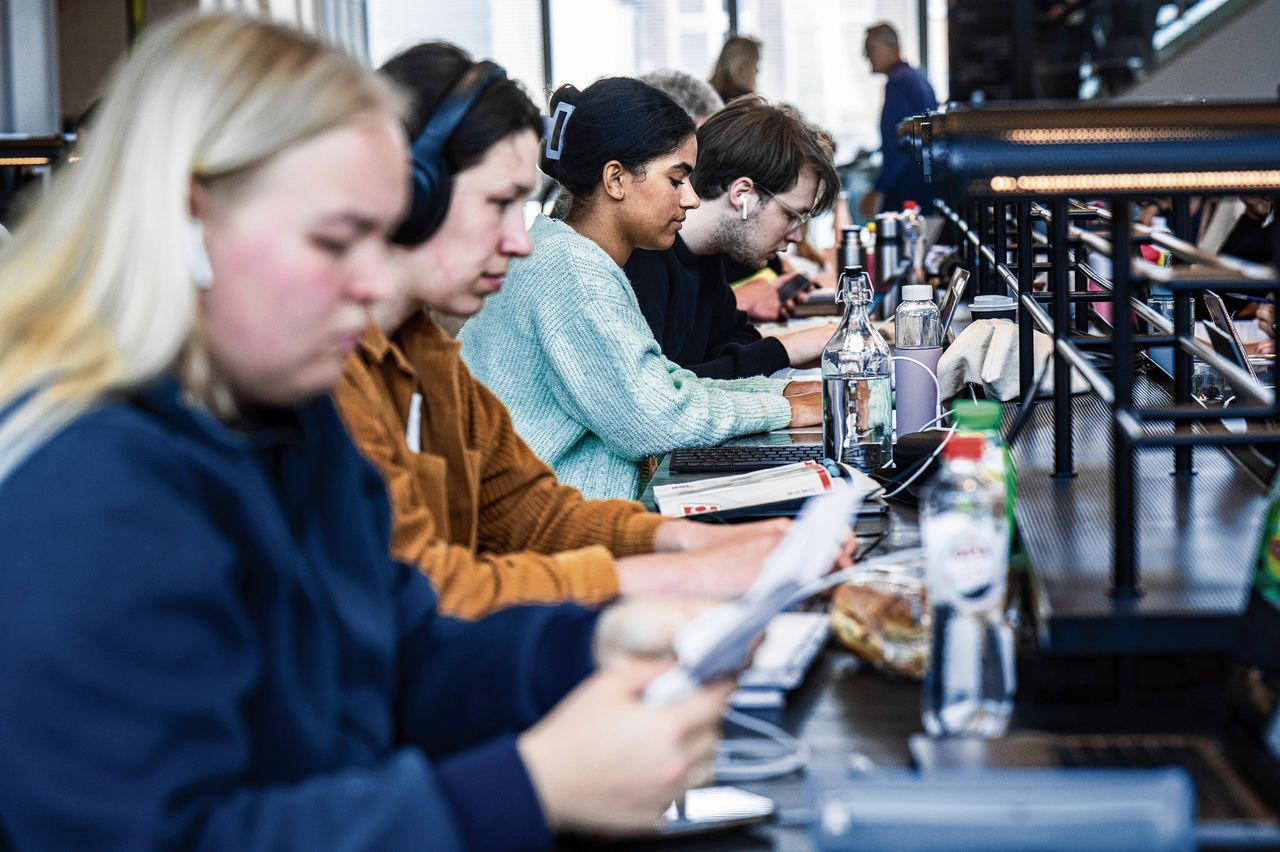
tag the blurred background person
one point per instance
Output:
(694, 96)
(736, 67)
(906, 92)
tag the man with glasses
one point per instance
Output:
(763, 171)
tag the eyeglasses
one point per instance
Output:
(795, 219)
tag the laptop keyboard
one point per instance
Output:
(739, 459)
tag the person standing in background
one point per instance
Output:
(907, 92)
(736, 68)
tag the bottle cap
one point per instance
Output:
(980, 414)
(964, 447)
(909, 205)
(917, 293)
(853, 271)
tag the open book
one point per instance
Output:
(771, 486)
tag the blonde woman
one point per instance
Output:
(206, 645)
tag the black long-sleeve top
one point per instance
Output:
(689, 305)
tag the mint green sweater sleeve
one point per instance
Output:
(567, 349)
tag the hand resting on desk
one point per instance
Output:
(806, 403)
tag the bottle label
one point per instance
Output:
(1268, 579)
(966, 560)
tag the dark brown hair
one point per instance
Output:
(429, 70)
(730, 76)
(615, 118)
(769, 143)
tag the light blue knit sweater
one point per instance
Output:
(565, 347)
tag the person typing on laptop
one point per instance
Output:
(474, 508)
(565, 345)
(763, 171)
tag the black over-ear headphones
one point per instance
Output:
(429, 180)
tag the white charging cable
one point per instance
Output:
(745, 759)
(951, 431)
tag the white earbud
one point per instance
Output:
(746, 205)
(198, 263)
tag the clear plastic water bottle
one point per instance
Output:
(969, 688)
(857, 403)
(918, 328)
(983, 418)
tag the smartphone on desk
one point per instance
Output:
(796, 284)
(716, 808)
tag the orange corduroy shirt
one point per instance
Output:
(482, 516)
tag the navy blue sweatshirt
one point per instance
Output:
(907, 92)
(206, 645)
(689, 304)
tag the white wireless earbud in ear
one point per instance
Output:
(198, 263)
(746, 205)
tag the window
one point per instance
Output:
(813, 59)
(506, 31)
(646, 35)
(812, 48)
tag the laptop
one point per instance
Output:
(1228, 343)
(995, 810)
(952, 297)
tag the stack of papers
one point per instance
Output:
(757, 488)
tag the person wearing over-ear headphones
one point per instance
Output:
(565, 345)
(474, 508)
(206, 643)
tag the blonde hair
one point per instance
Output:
(96, 295)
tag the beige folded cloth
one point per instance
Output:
(986, 354)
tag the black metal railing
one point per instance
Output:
(1134, 427)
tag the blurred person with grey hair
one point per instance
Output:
(694, 96)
